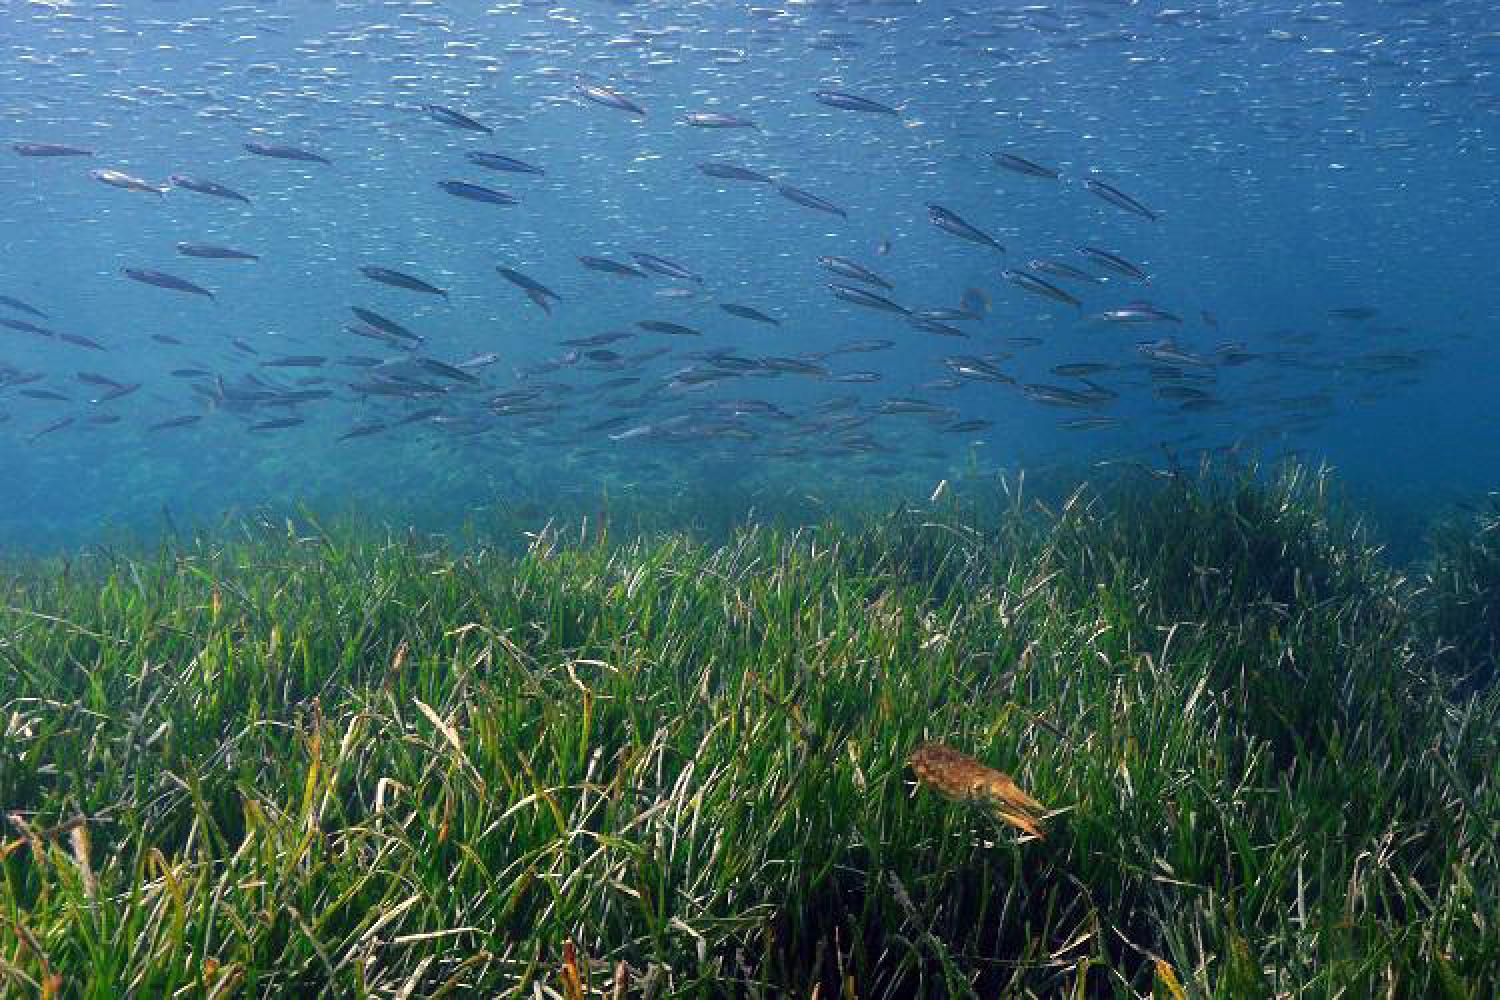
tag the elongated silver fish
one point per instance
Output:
(861, 347)
(976, 369)
(716, 119)
(663, 326)
(399, 279)
(478, 192)
(847, 268)
(210, 252)
(27, 327)
(1058, 395)
(1136, 312)
(845, 101)
(386, 326)
(944, 315)
(860, 297)
(607, 266)
(748, 312)
(533, 288)
(457, 119)
(1081, 369)
(48, 149)
(529, 284)
(1039, 286)
(126, 182)
(794, 366)
(810, 200)
(163, 280)
(509, 164)
(1169, 353)
(363, 430)
(1119, 199)
(935, 326)
(905, 404)
(1019, 165)
(603, 95)
(78, 340)
(56, 426)
(206, 187)
(296, 361)
(279, 423)
(1090, 423)
(598, 339)
(1059, 269)
(950, 222)
(730, 172)
(174, 422)
(1114, 262)
(662, 265)
(280, 152)
(19, 306)
(448, 371)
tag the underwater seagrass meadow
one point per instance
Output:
(309, 758)
(835, 499)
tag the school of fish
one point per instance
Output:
(783, 293)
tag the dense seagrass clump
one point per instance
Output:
(1461, 595)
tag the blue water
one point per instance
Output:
(1299, 158)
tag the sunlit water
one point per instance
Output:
(1300, 160)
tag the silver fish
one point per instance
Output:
(206, 187)
(210, 252)
(279, 152)
(1136, 312)
(389, 328)
(748, 312)
(716, 119)
(810, 200)
(478, 192)
(609, 98)
(852, 102)
(19, 306)
(661, 265)
(847, 268)
(163, 280)
(1169, 353)
(1058, 269)
(662, 326)
(398, 279)
(1019, 165)
(950, 222)
(126, 182)
(607, 266)
(1119, 199)
(860, 297)
(1114, 262)
(455, 118)
(730, 172)
(1038, 286)
(48, 149)
(494, 161)
(535, 289)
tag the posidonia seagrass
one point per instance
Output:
(327, 758)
